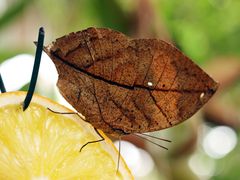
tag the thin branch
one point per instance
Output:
(2, 87)
(35, 69)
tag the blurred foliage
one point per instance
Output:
(12, 12)
(227, 168)
(203, 29)
(11, 15)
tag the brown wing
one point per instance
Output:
(124, 85)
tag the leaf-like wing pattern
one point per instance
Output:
(124, 85)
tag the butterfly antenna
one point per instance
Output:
(2, 87)
(150, 136)
(35, 69)
(150, 141)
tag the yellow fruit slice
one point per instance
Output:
(39, 144)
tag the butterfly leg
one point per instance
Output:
(119, 153)
(96, 141)
(57, 112)
(90, 142)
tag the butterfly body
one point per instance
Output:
(124, 85)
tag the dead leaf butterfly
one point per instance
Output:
(123, 85)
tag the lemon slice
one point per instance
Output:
(39, 144)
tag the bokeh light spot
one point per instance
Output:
(138, 160)
(201, 165)
(219, 141)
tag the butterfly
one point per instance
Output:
(125, 86)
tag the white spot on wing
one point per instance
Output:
(150, 84)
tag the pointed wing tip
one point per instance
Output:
(208, 94)
(213, 88)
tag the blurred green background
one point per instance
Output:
(208, 31)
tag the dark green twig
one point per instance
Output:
(2, 87)
(35, 69)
